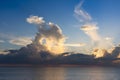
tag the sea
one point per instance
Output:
(60, 73)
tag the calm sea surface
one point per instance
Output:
(59, 73)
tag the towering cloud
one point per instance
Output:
(49, 36)
(100, 44)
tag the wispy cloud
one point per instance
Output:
(81, 14)
(35, 20)
(16, 40)
(49, 36)
(91, 29)
(21, 41)
(75, 45)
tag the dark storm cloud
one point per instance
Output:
(25, 55)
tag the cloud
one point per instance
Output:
(89, 27)
(21, 41)
(2, 41)
(75, 45)
(91, 31)
(16, 40)
(35, 20)
(4, 52)
(108, 38)
(49, 36)
(80, 14)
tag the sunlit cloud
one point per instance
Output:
(91, 31)
(49, 36)
(15, 40)
(75, 45)
(35, 20)
(81, 14)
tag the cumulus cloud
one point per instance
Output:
(21, 41)
(89, 27)
(49, 36)
(16, 40)
(100, 45)
(35, 20)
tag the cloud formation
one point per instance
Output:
(81, 14)
(21, 41)
(49, 37)
(100, 44)
(35, 20)
(49, 40)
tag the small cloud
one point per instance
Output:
(21, 41)
(35, 20)
(76, 45)
(108, 38)
(89, 27)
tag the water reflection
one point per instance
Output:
(50, 73)
(107, 73)
(59, 73)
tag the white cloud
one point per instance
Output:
(89, 27)
(75, 45)
(35, 20)
(108, 38)
(81, 14)
(21, 41)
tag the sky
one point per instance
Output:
(13, 24)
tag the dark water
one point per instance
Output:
(59, 73)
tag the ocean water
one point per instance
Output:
(59, 73)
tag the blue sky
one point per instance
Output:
(13, 14)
